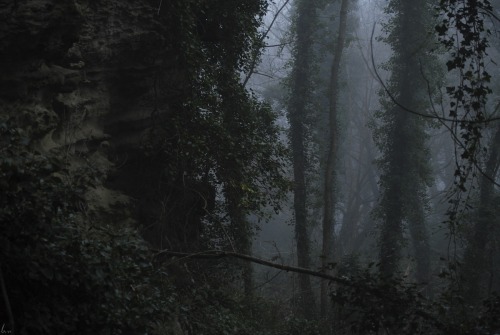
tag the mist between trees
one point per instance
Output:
(276, 167)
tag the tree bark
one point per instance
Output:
(328, 195)
(373, 290)
(475, 260)
(405, 170)
(297, 111)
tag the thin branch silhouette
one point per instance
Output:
(409, 110)
(218, 254)
(262, 38)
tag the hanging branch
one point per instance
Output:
(409, 110)
(462, 32)
(452, 132)
(467, 108)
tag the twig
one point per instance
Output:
(211, 254)
(159, 7)
(254, 59)
(406, 109)
(7, 301)
(215, 254)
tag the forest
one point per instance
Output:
(250, 167)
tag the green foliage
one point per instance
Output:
(412, 68)
(297, 326)
(219, 132)
(71, 271)
(402, 136)
(64, 274)
(212, 310)
(463, 33)
(370, 305)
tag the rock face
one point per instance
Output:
(97, 82)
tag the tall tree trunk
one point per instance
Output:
(420, 241)
(391, 235)
(481, 237)
(233, 179)
(301, 80)
(243, 239)
(405, 171)
(328, 195)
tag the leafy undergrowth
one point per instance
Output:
(65, 272)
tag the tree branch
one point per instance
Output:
(7, 302)
(214, 254)
(256, 54)
(217, 254)
(406, 109)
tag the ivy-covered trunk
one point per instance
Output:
(402, 137)
(329, 193)
(297, 110)
(481, 241)
(242, 232)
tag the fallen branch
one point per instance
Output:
(216, 254)
(213, 254)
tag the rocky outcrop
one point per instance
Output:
(92, 81)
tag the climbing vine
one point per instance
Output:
(464, 34)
